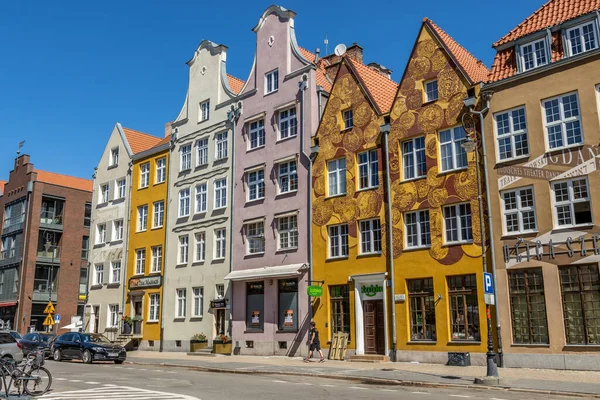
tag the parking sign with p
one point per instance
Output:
(488, 289)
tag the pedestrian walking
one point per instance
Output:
(314, 342)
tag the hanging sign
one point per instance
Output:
(314, 291)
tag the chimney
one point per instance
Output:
(168, 128)
(331, 70)
(380, 69)
(355, 52)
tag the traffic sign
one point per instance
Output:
(49, 308)
(49, 320)
(56, 318)
(488, 289)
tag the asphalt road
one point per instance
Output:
(74, 381)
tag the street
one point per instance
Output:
(75, 380)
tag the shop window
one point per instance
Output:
(528, 306)
(282, 345)
(255, 305)
(422, 309)
(464, 310)
(340, 309)
(580, 286)
(288, 304)
(249, 344)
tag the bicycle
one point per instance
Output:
(31, 377)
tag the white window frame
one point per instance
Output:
(200, 246)
(371, 165)
(368, 239)
(336, 170)
(100, 233)
(201, 197)
(154, 307)
(220, 243)
(104, 193)
(117, 230)
(347, 119)
(255, 238)
(512, 134)
(430, 88)
(184, 202)
(198, 302)
(221, 146)
(140, 261)
(202, 152)
(157, 259)
(459, 223)
(144, 175)
(220, 191)
(183, 250)
(584, 49)
(287, 178)
(272, 81)
(455, 145)
(204, 111)
(142, 222)
(220, 291)
(98, 274)
(158, 219)
(185, 157)
(112, 317)
(114, 157)
(413, 156)
(257, 136)
(536, 63)
(255, 183)
(180, 303)
(421, 223)
(115, 273)
(285, 237)
(288, 124)
(518, 211)
(571, 202)
(338, 234)
(562, 122)
(161, 170)
(121, 186)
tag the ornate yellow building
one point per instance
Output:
(146, 245)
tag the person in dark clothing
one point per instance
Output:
(314, 343)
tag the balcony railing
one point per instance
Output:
(49, 254)
(50, 220)
(40, 290)
(6, 254)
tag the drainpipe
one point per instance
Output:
(128, 211)
(166, 246)
(20, 272)
(385, 129)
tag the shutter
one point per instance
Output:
(109, 229)
(111, 190)
(106, 275)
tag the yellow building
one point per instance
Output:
(146, 243)
(437, 242)
(349, 250)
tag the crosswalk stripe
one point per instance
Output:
(116, 392)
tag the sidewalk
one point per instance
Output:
(582, 383)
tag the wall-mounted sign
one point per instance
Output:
(371, 292)
(218, 303)
(399, 297)
(314, 291)
(145, 282)
(526, 251)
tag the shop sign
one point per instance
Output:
(218, 303)
(538, 251)
(371, 292)
(314, 291)
(145, 282)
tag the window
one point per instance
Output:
(256, 185)
(336, 173)
(288, 125)
(581, 38)
(417, 229)
(185, 157)
(464, 308)
(142, 218)
(519, 210)
(204, 110)
(422, 309)
(271, 81)
(114, 157)
(104, 194)
(144, 175)
(7, 216)
(159, 214)
(198, 301)
(533, 55)
(528, 306)
(348, 119)
(431, 90)
(200, 246)
(101, 234)
(255, 304)
(180, 303)
(413, 158)
(287, 176)
(161, 170)
(201, 198)
(156, 259)
(370, 236)
(219, 290)
(287, 229)
(140, 261)
(117, 230)
(85, 247)
(511, 134)
(113, 315)
(202, 152)
(255, 233)
(87, 216)
(115, 272)
(1, 282)
(338, 241)
(562, 121)
(288, 305)
(221, 145)
(98, 274)
(220, 243)
(572, 203)
(121, 188)
(580, 287)
(340, 309)
(368, 166)
(184, 202)
(453, 155)
(16, 281)
(457, 219)
(183, 249)
(154, 307)
(257, 134)
(220, 193)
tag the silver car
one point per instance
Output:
(10, 347)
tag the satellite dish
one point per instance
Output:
(340, 49)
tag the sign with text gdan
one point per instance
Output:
(145, 282)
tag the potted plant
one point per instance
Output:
(222, 345)
(197, 342)
(127, 324)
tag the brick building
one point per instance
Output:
(44, 245)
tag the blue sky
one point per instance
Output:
(71, 69)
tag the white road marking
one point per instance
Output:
(279, 381)
(116, 392)
(357, 387)
(93, 383)
(495, 398)
(328, 385)
(388, 390)
(156, 370)
(459, 395)
(75, 380)
(419, 392)
(60, 379)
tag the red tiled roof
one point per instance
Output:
(64, 180)
(167, 139)
(235, 84)
(321, 75)
(2, 183)
(382, 89)
(554, 12)
(475, 69)
(140, 141)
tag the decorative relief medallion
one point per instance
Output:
(271, 40)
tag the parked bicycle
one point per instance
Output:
(29, 377)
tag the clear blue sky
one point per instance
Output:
(70, 69)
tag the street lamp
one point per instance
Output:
(47, 246)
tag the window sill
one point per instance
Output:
(158, 183)
(202, 165)
(451, 244)
(137, 274)
(113, 166)
(336, 195)
(249, 150)
(428, 102)
(286, 331)
(344, 130)
(143, 187)
(564, 228)
(218, 258)
(270, 93)
(98, 245)
(221, 159)
(559, 149)
(416, 248)
(141, 231)
(542, 345)
(154, 228)
(152, 322)
(514, 235)
(113, 285)
(367, 188)
(417, 342)
(199, 262)
(511, 160)
(96, 286)
(218, 208)
(154, 273)
(366, 255)
(179, 319)
(463, 342)
(199, 212)
(580, 347)
(286, 138)
(178, 265)
(336, 258)
(450, 171)
(414, 179)
(196, 318)
(181, 171)
(183, 216)
(248, 201)
(255, 331)
(286, 250)
(286, 193)
(116, 242)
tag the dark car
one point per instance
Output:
(87, 347)
(35, 340)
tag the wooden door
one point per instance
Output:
(380, 328)
(370, 318)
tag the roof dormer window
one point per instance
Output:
(581, 38)
(533, 54)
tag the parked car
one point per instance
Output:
(15, 334)
(9, 347)
(87, 347)
(35, 340)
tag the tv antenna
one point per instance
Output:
(340, 49)
(326, 41)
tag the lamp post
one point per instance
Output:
(49, 236)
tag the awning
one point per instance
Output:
(267, 272)
(8, 303)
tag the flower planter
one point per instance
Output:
(196, 345)
(220, 347)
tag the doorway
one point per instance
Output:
(374, 327)
(220, 321)
(96, 318)
(137, 312)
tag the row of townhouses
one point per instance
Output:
(389, 202)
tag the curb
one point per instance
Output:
(371, 380)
